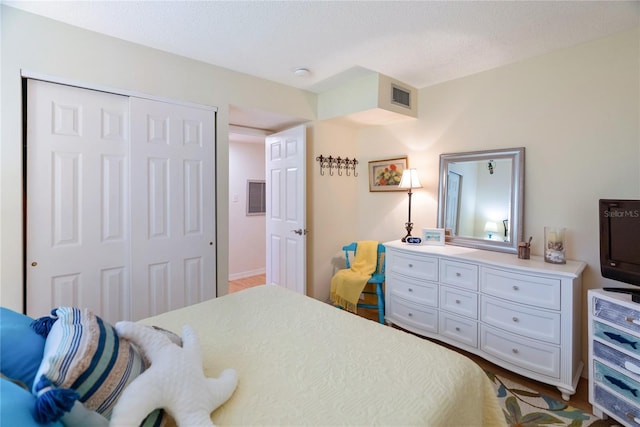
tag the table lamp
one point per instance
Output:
(409, 181)
(490, 227)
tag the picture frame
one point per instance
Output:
(433, 236)
(385, 175)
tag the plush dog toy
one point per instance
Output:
(175, 380)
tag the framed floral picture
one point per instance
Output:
(385, 175)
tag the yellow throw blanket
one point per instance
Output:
(348, 284)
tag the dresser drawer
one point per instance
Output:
(618, 382)
(617, 314)
(526, 289)
(418, 266)
(420, 317)
(459, 301)
(528, 354)
(617, 338)
(460, 329)
(615, 406)
(623, 361)
(423, 293)
(522, 320)
(459, 274)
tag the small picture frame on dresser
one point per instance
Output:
(433, 236)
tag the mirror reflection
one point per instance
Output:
(481, 197)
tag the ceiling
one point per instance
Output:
(420, 43)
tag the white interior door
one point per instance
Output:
(173, 216)
(286, 209)
(120, 203)
(77, 206)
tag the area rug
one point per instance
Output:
(524, 407)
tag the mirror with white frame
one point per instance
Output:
(481, 199)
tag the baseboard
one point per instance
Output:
(244, 274)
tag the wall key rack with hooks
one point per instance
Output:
(345, 165)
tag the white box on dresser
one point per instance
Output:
(523, 315)
(614, 356)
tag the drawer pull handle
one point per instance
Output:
(410, 314)
(632, 320)
(410, 289)
(633, 418)
(458, 274)
(515, 319)
(515, 288)
(457, 301)
(515, 351)
(410, 265)
(622, 340)
(457, 329)
(621, 385)
(631, 367)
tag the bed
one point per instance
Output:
(303, 362)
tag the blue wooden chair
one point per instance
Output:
(377, 277)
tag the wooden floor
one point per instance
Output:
(247, 282)
(579, 400)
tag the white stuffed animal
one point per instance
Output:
(175, 380)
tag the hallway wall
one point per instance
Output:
(247, 241)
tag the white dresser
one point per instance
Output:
(614, 356)
(523, 315)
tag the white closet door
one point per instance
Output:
(120, 203)
(77, 206)
(173, 215)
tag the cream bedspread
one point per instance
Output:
(304, 362)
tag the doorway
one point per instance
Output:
(247, 135)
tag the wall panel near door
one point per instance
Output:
(120, 203)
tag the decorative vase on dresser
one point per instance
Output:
(523, 315)
(614, 356)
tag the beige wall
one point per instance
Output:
(333, 211)
(576, 111)
(247, 240)
(39, 45)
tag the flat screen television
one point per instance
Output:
(620, 243)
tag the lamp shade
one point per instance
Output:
(491, 226)
(410, 179)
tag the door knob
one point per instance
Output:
(300, 231)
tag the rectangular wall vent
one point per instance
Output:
(400, 96)
(256, 197)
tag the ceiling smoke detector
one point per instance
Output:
(301, 72)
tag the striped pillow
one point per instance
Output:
(83, 353)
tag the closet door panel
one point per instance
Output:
(77, 200)
(173, 231)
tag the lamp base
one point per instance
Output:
(408, 226)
